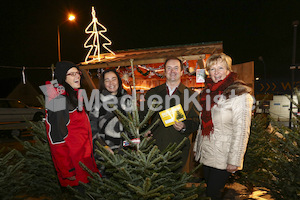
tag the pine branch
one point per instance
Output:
(167, 196)
(125, 174)
(129, 116)
(146, 145)
(127, 139)
(157, 189)
(195, 169)
(93, 174)
(150, 112)
(195, 196)
(147, 184)
(148, 129)
(134, 163)
(125, 121)
(154, 151)
(158, 159)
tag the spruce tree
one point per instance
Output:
(146, 173)
(272, 159)
(140, 171)
(30, 173)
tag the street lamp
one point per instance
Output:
(71, 17)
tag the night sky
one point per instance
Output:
(248, 29)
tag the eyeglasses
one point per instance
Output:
(74, 73)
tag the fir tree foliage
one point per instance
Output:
(140, 171)
(30, 172)
(273, 158)
(131, 121)
(146, 173)
(11, 165)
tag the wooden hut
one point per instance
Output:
(148, 63)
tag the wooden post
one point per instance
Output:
(88, 79)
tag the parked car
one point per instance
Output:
(12, 110)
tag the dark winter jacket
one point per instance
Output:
(70, 139)
(168, 135)
(105, 124)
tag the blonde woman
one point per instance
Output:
(225, 124)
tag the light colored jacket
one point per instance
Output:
(227, 144)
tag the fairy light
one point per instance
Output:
(159, 69)
(138, 87)
(94, 35)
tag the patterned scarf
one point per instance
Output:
(212, 89)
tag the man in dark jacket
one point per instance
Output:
(172, 93)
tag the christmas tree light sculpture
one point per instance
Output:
(93, 42)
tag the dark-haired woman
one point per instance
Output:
(105, 124)
(68, 129)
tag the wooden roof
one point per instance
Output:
(157, 55)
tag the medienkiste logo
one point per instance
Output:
(54, 100)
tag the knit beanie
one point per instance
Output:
(61, 69)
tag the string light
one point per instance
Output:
(138, 87)
(95, 46)
(151, 71)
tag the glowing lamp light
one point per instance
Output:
(191, 70)
(71, 17)
(125, 77)
(138, 87)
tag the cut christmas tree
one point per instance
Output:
(273, 157)
(141, 171)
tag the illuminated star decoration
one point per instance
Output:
(95, 46)
(125, 75)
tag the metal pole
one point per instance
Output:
(58, 44)
(295, 25)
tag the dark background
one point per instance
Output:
(248, 28)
